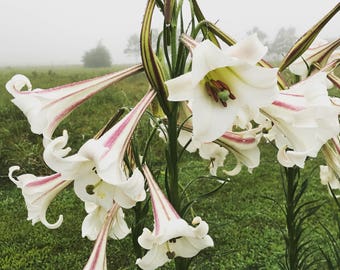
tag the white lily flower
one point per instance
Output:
(172, 236)
(225, 88)
(46, 108)
(98, 167)
(97, 260)
(95, 219)
(38, 192)
(304, 119)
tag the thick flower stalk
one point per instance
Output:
(46, 108)
(304, 119)
(224, 88)
(172, 236)
(38, 192)
(98, 168)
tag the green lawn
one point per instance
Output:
(245, 225)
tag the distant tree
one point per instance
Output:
(133, 45)
(284, 40)
(260, 34)
(97, 57)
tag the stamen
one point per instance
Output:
(90, 188)
(219, 91)
(211, 91)
(171, 255)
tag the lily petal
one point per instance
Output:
(172, 236)
(97, 260)
(95, 219)
(38, 192)
(99, 164)
(304, 119)
(227, 88)
(46, 108)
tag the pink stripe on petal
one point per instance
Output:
(160, 204)
(59, 117)
(119, 130)
(290, 94)
(288, 106)
(101, 240)
(237, 138)
(139, 109)
(52, 188)
(43, 180)
(117, 75)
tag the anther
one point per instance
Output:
(90, 189)
(170, 255)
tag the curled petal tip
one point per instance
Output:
(17, 82)
(11, 170)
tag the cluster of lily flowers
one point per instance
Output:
(233, 101)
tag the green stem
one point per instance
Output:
(172, 158)
(292, 239)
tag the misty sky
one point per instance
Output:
(54, 32)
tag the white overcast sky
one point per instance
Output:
(54, 32)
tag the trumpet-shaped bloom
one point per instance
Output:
(38, 192)
(225, 88)
(98, 168)
(304, 119)
(172, 236)
(95, 220)
(46, 108)
(97, 260)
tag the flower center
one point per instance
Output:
(219, 91)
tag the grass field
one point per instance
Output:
(245, 225)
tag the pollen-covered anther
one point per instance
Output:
(170, 255)
(219, 91)
(90, 189)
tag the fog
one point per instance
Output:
(46, 32)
